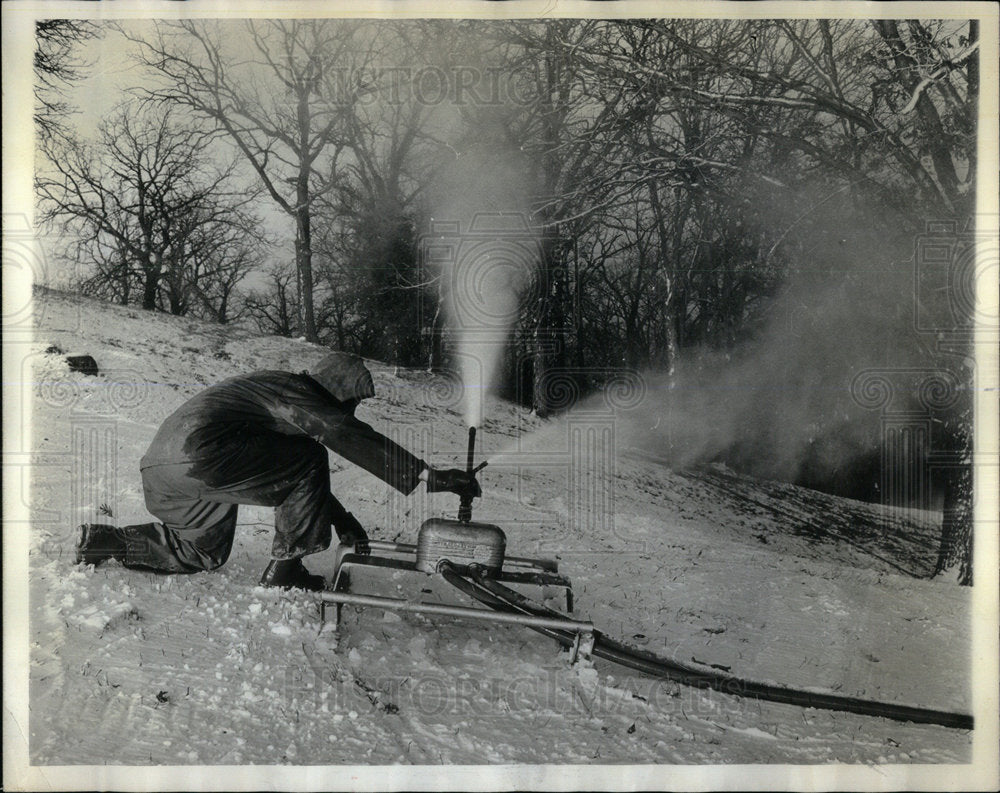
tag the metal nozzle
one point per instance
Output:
(465, 503)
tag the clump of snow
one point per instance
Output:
(100, 617)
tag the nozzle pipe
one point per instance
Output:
(472, 450)
(465, 503)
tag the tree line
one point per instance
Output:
(680, 174)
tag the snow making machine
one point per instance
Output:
(461, 551)
(471, 557)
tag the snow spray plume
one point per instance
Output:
(480, 238)
(794, 402)
(786, 403)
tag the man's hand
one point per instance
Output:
(353, 533)
(453, 480)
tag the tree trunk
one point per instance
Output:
(126, 275)
(435, 353)
(540, 362)
(955, 552)
(579, 358)
(558, 313)
(175, 302)
(126, 287)
(549, 330)
(972, 98)
(303, 257)
(665, 357)
(548, 304)
(151, 284)
(935, 140)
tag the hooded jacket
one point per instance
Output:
(213, 427)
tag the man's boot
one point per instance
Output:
(99, 542)
(287, 573)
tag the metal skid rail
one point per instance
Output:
(538, 572)
(399, 604)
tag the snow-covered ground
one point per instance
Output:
(769, 581)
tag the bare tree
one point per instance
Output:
(736, 144)
(883, 113)
(274, 309)
(57, 65)
(141, 199)
(283, 107)
(213, 252)
(369, 242)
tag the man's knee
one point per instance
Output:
(167, 491)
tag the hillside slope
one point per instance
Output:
(773, 582)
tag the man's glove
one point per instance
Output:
(454, 480)
(353, 533)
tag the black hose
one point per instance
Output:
(475, 591)
(501, 598)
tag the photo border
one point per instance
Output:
(18, 150)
